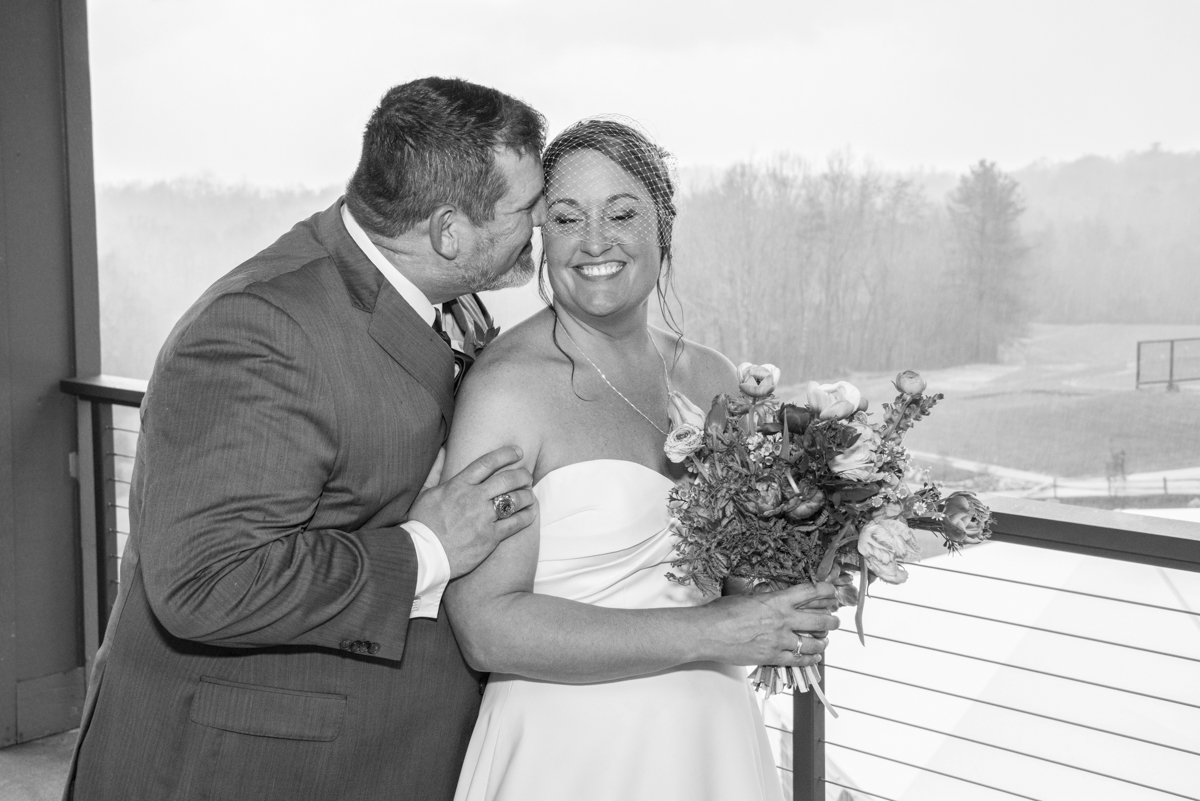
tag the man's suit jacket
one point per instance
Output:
(261, 646)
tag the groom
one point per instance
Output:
(277, 633)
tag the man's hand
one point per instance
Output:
(460, 511)
(764, 628)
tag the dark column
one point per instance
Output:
(49, 329)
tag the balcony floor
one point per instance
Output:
(35, 771)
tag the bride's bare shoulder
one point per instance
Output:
(519, 349)
(700, 371)
(512, 373)
(498, 401)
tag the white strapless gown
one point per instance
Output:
(693, 733)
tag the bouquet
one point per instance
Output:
(783, 494)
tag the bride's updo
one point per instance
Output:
(631, 150)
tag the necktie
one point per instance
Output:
(473, 320)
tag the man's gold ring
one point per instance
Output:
(799, 645)
(504, 506)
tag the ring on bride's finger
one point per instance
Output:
(799, 645)
(504, 506)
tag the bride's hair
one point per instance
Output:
(633, 151)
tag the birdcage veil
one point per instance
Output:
(608, 181)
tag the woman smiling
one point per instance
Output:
(608, 681)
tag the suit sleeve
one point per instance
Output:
(240, 433)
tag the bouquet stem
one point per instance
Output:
(774, 679)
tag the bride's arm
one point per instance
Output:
(503, 626)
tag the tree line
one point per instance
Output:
(851, 269)
(845, 267)
(821, 271)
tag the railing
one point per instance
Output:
(1061, 662)
(999, 673)
(1168, 361)
(108, 427)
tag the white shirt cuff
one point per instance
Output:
(433, 570)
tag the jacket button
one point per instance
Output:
(373, 648)
(346, 645)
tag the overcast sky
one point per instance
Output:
(275, 92)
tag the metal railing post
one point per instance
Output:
(1171, 368)
(808, 745)
(89, 527)
(106, 513)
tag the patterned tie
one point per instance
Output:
(476, 325)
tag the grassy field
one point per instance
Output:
(1066, 435)
(1062, 403)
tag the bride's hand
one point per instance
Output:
(764, 628)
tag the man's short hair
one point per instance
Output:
(434, 141)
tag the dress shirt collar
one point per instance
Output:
(412, 295)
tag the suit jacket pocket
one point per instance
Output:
(268, 711)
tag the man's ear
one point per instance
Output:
(445, 231)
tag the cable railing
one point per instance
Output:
(1013, 671)
(1060, 662)
(108, 432)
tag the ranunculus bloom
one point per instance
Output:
(884, 544)
(965, 519)
(857, 463)
(833, 401)
(757, 380)
(910, 382)
(767, 498)
(684, 440)
(807, 501)
(682, 410)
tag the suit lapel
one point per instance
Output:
(395, 327)
(415, 347)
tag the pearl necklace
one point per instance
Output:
(620, 394)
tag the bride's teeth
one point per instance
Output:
(598, 270)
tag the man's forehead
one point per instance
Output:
(523, 173)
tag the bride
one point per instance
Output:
(608, 681)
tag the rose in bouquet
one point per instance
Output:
(784, 493)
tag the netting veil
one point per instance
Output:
(608, 182)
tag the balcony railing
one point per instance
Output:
(108, 429)
(1060, 662)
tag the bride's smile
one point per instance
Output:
(601, 270)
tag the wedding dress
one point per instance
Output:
(692, 732)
